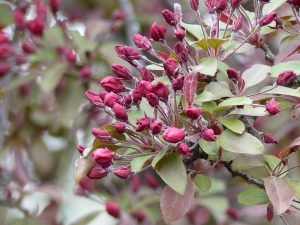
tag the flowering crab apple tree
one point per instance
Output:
(187, 111)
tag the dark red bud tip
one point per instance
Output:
(295, 3)
(55, 5)
(173, 135)
(113, 84)
(123, 172)
(127, 52)
(121, 71)
(194, 4)
(142, 42)
(156, 127)
(71, 56)
(113, 209)
(286, 77)
(157, 32)
(103, 156)
(86, 72)
(208, 135)
(139, 215)
(171, 67)
(267, 19)
(120, 128)
(143, 124)
(120, 112)
(102, 135)
(183, 148)
(180, 34)
(192, 112)
(151, 180)
(272, 107)
(119, 15)
(235, 3)
(232, 213)
(80, 149)
(36, 26)
(269, 138)
(97, 172)
(220, 5)
(169, 17)
(233, 74)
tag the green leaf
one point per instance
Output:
(244, 162)
(209, 147)
(273, 162)
(208, 66)
(43, 55)
(54, 37)
(281, 90)
(250, 111)
(272, 5)
(253, 196)
(158, 157)
(155, 67)
(233, 124)
(52, 76)
(256, 74)
(244, 143)
(281, 67)
(211, 42)
(172, 171)
(6, 17)
(214, 91)
(193, 29)
(295, 185)
(138, 163)
(235, 101)
(202, 182)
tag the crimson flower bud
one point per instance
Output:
(86, 186)
(152, 100)
(269, 138)
(295, 3)
(233, 74)
(161, 90)
(97, 172)
(80, 149)
(169, 17)
(237, 24)
(120, 112)
(232, 213)
(94, 98)
(272, 107)
(4, 69)
(286, 77)
(3, 38)
(113, 84)
(194, 4)
(143, 124)
(123, 172)
(151, 181)
(192, 112)
(103, 156)
(55, 5)
(208, 135)
(156, 127)
(235, 3)
(157, 32)
(102, 135)
(181, 52)
(41, 10)
(6, 50)
(36, 26)
(210, 5)
(71, 56)
(183, 148)
(171, 67)
(120, 128)
(142, 42)
(180, 33)
(145, 87)
(19, 19)
(86, 72)
(173, 135)
(121, 71)
(127, 101)
(146, 74)
(127, 53)
(113, 209)
(136, 96)
(220, 5)
(110, 99)
(139, 216)
(135, 183)
(177, 84)
(267, 19)
(270, 212)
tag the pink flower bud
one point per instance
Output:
(80, 149)
(121, 71)
(55, 5)
(4, 69)
(157, 32)
(173, 135)
(194, 4)
(161, 90)
(127, 53)
(220, 5)
(145, 87)
(295, 3)
(123, 172)
(152, 100)
(269, 138)
(139, 215)
(143, 124)
(136, 96)
(142, 42)
(270, 212)
(151, 181)
(28, 48)
(97, 172)
(113, 209)
(6, 50)
(286, 77)
(94, 98)
(86, 185)
(71, 56)
(208, 135)
(3, 38)
(181, 52)
(183, 148)
(156, 127)
(103, 156)
(85, 72)
(110, 99)
(102, 135)
(272, 107)
(235, 3)
(126, 101)
(171, 67)
(120, 128)
(25, 90)
(113, 84)
(232, 213)
(36, 26)
(180, 34)
(267, 19)
(119, 15)
(120, 112)
(177, 84)
(146, 74)
(19, 19)
(135, 183)
(169, 17)
(41, 10)
(233, 74)
(192, 112)
(237, 24)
